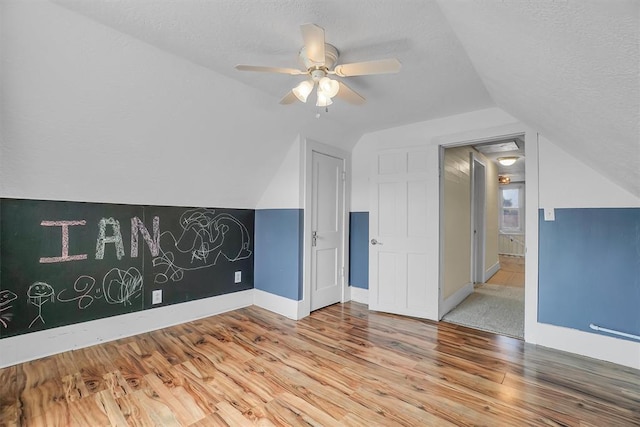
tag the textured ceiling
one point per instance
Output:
(437, 79)
(569, 69)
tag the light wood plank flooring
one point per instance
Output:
(511, 272)
(343, 365)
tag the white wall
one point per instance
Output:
(91, 114)
(285, 191)
(565, 182)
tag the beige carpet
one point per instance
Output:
(493, 308)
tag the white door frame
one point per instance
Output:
(481, 234)
(531, 211)
(308, 147)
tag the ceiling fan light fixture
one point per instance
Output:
(329, 87)
(507, 161)
(323, 100)
(303, 90)
(318, 59)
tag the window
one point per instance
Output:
(512, 208)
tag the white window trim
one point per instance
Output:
(521, 208)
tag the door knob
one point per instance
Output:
(375, 242)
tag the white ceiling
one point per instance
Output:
(437, 78)
(568, 69)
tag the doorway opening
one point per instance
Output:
(482, 277)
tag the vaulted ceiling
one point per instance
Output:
(570, 70)
(437, 78)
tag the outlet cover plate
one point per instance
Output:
(238, 277)
(156, 296)
(549, 214)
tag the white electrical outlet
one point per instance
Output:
(156, 296)
(238, 277)
(549, 214)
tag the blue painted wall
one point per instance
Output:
(278, 252)
(589, 269)
(359, 249)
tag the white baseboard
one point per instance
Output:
(602, 347)
(277, 304)
(491, 271)
(359, 295)
(35, 345)
(450, 303)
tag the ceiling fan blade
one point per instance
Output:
(349, 95)
(383, 66)
(313, 37)
(291, 71)
(289, 98)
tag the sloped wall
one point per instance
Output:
(568, 69)
(90, 114)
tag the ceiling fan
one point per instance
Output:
(319, 59)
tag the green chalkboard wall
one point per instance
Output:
(68, 262)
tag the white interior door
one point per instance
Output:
(398, 228)
(327, 225)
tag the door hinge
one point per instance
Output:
(344, 175)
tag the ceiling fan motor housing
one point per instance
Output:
(317, 74)
(330, 57)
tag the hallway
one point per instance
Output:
(497, 305)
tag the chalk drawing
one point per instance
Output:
(138, 226)
(38, 294)
(118, 287)
(6, 297)
(172, 272)
(83, 286)
(204, 237)
(121, 286)
(65, 241)
(103, 238)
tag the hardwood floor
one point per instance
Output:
(343, 365)
(511, 272)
